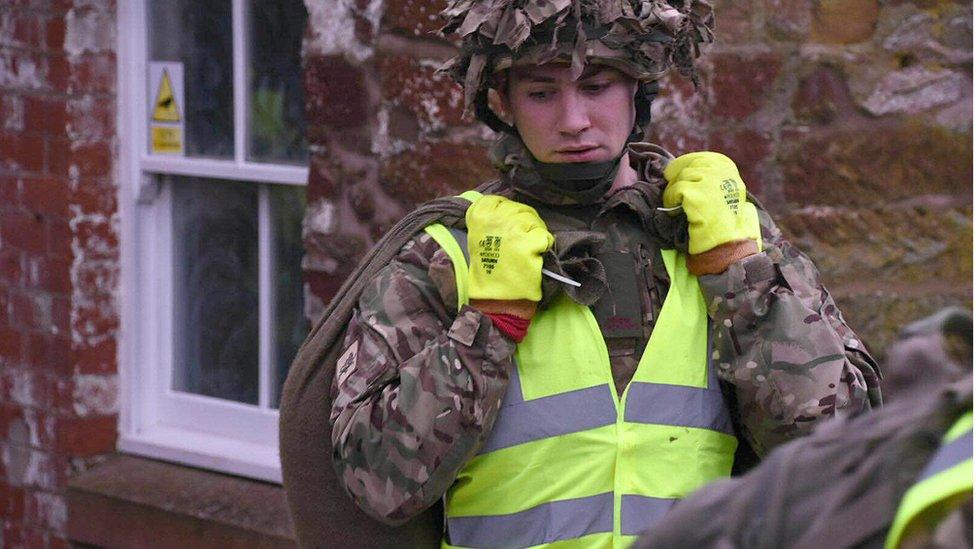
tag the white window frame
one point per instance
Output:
(154, 420)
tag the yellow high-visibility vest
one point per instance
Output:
(570, 464)
(945, 483)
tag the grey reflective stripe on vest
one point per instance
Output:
(525, 421)
(677, 405)
(462, 240)
(546, 523)
(638, 513)
(949, 455)
(551, 416)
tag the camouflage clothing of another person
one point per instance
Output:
(846, 485)
(928, 354)
(784, 354)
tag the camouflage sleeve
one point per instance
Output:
(783, 345)
(417, 387)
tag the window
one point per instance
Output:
(213, 167)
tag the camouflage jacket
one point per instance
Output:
(419, 384)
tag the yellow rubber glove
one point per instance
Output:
(506, 240)
(709, 189)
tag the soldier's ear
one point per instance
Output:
(498, 97)
(499, 103)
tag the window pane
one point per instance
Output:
(290, 326)
(199, 35)
(277, 114)
(215, 236)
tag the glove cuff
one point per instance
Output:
(718, 259)
(522, 308)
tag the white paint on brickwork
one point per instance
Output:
(352, 162)
(422, 5)
(29, 467)
(383, 144)
(679, 111)
(50, 511)
(906, 35)
(431, 118)
(94, 278)
(23, 388)
(7, 28)
(957, 117)
(456, 94)
(41, 471)
(15, 457)
(74, 175)
(40, 429)
(43, 310)
(415, 91)
(915, 89)
(24, 73)
(95, 395)
(95, 245)
(82, 127)
(381, 135)
(87, 308)
(320, 218)
(332, 23)
(907, 30)
(434, 120)
(13, 107)
(374, 13)
(36, 270)
(88, 29)
(817, 211)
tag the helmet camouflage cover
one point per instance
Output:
(642, 38)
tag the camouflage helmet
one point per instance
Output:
(642, 38)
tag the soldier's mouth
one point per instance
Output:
(585, 153)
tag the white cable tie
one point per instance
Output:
(674, 209)
(561, 278)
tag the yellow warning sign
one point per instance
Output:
(167, 140)
(166, 109)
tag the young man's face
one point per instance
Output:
(562, 120)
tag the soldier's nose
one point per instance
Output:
(573, 119)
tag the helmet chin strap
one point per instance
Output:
(584, 182)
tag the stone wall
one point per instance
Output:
(851, 120)
(58, 257)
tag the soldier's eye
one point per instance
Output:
(540, 95)
(595, 87)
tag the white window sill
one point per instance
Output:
(206, 451)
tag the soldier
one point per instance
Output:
(674, 320)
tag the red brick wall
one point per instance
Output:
(58, 256)
(851, 119)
